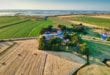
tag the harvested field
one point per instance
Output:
(25, 59)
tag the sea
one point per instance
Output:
(49, 12)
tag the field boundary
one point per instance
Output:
(18, 39)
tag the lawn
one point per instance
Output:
(102, 22)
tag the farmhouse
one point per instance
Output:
(56, 33)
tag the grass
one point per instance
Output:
(95, 21)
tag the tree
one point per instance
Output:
(43, 30)
(62, 27)
(75, 39)
(56, 43)
(42, 43)
(85, 50)
(79, 28)
(50, 27)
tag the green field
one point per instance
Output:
(7, 20)
(28, 28)
(102, 22)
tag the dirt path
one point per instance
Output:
(24, 58)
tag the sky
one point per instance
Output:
(56, 4)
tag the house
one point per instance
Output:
(50, 35)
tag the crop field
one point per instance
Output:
(28, 28)
(102, 22)
(10, 20)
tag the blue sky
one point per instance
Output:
(56, 4)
